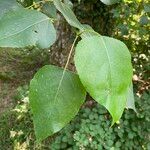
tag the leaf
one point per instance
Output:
(109, 2)
(49, 9)
(147, 7)
(144, 20)
(105, 70)
(68, 3)
(70, 17)
(130, 98)
(68, 14)
(54, 107)
(88, 31)
(21, 28)
(8, 5)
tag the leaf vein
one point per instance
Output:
(24, 29)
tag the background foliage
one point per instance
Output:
(89, 130)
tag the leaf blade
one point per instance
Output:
(9, 5)
(70, 17)
(21, 28)
(54, 114)
(98, 61)
(68, 14)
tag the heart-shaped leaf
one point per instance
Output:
(21, 28)
(54, 105)
(104, 67)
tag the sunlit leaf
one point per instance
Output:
(104, 67)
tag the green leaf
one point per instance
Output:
(130, 98)
(88, 31)
(8, 5)
(68, 3)
(49, 9)
(68, 14)
(70, 17)
(21, 28)
(25, 3)
(109, 2)
(104, 67)
(53, 106)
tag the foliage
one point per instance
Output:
(90, 129)
(21, 27)
(51, 102)
(103, 83)
(136, 35)
(132, 24)
(15, 125)
(28, 30)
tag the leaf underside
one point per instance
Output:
(110, 2)
(22, 27)
(8, 5)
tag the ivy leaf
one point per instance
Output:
(130, 98)
(21, 28)
(109, 2)
(53, 106)
(8, 5)
(104, 67)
